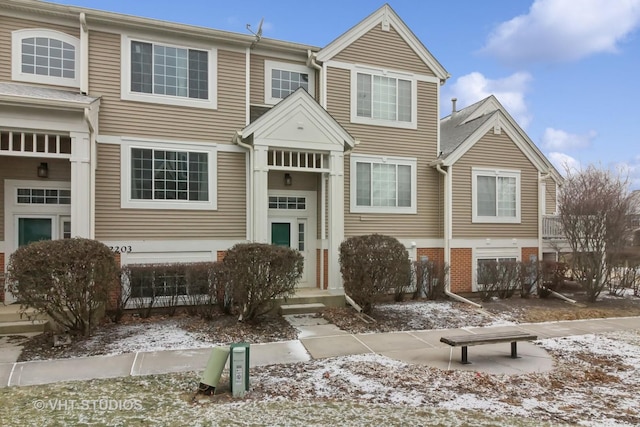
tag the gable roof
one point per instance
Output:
(384, 16)
(298, 121)
(463, 129)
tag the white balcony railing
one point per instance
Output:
(552, 227)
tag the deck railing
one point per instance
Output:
(552, 227)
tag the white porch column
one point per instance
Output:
(336, 217)
(81, 197)
(260, 194)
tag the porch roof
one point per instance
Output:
(22, 94)
(299, 122)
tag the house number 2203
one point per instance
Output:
(121, 249)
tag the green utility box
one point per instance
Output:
(213, 371)
(239, 369)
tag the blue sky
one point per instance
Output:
(567, 70)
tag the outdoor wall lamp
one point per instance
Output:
(43, 170)
(287, 179)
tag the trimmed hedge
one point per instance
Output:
(371, 266)
(69, 280)
(258, 273)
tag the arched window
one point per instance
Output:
(45, 56)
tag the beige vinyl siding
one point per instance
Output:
(228, 222)
(379, 140)
(9, 24)
(130, 118)
(550, 197)
(384, 49)
(494, 151)
(25, 168)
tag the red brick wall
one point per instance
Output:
(434, 254)
(220, 255)
(324, 285)
(460, 274)
(2, 276)
(527, 252)
(112, 302)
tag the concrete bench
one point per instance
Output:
(465, 341)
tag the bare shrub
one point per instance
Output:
(259, 273)
(430, 277)
(69, 280)
(117, 308)
(595, 212)
(371, 266)
(531, 276)
(499, 279)
(623, 278)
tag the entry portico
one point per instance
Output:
(47, 164)
(298, 135)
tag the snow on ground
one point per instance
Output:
(594, 383)
(443, 314)
(151, 336)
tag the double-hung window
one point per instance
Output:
(168, 176)
(495, 195)
(165, 73)
(282, 79)
(383, 184)
(45, 56)
(383, 98)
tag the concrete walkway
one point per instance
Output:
(321, 341)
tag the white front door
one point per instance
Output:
(292, 219)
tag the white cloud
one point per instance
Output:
(559, 140)
(564, 30)
(510, 92)
(631, 170)
(563, 162)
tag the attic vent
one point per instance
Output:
(385, 23)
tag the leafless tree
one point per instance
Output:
(595, 208)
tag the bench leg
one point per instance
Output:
(465, 360)
(514, 350)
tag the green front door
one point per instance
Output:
(33, 230)
(281, 233)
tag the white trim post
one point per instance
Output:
(81, 197)
(336, 217)
(260, 194)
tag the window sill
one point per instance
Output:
(169, 100)
(384, 123)
(495, 220)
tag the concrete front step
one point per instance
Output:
(307, 308)
(23, 326)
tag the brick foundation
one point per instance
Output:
(460, 273)
(324, 285)
(2, 276)
(112, 301)
(220, 255)
(527, 253)
(434, 254)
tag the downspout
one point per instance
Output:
(311, 62)
(237, 139)
(84, 54)
(447, 234)
(541, 195)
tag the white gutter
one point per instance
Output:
(447, 233)
(237, 139)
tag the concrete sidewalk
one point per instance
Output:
(321, 341)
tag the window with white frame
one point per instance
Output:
(383, 98)
(162, 175)
(495, 195)
(282, 79)
(165, 73)
(45, 56)
(383, 184)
